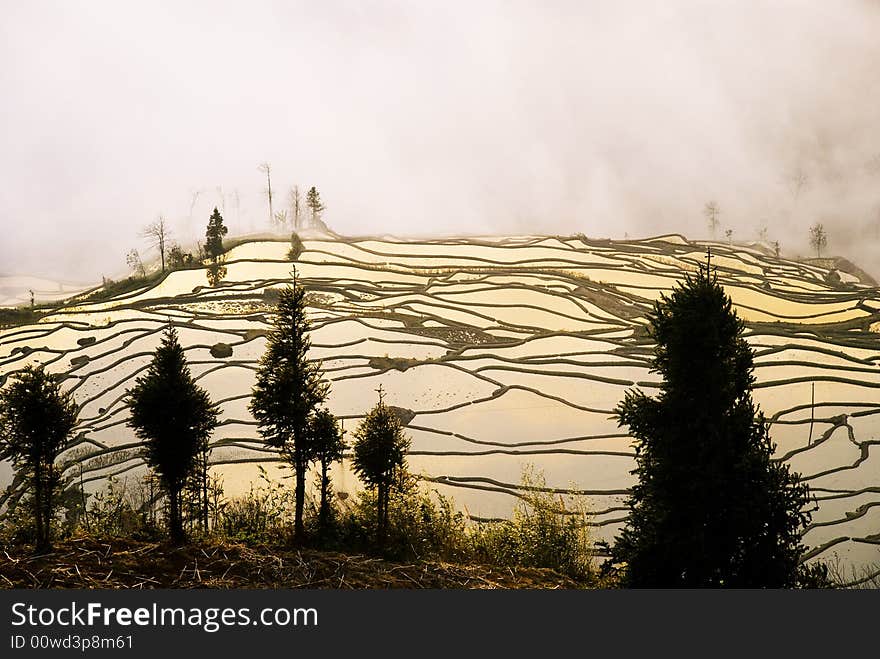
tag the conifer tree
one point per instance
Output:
(214, 236)
(174, 417)
(36, 421)
(214, 248)
(288, 390)
(327, 448)
(316, 207)
(711, 507)
(379, 454)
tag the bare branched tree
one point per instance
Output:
(818, 238)
(294, 200)
(158, 234)
(711, 211)
(267, 169)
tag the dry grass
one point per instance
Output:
(121, 564)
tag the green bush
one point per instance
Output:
(547, 530)
(17, 523)
(13, 317)
(263, 515)
(121, 510)
(111, 289)
(421, 525)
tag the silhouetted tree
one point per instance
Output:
(379, 453)
(818, 239)
(214, 236)
(295, 201)
(214, 248)
(198, 485)
(36, 421)
(174, 417)
(711, 508)
(158, 234)
(288, 390)
(267, 169)
(327, 448)
(313, 199)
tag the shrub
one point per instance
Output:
(296, 247)
(10, 317)
(120, 510)
(547, 530)
(178, 259)
(421, 525)
(17, 526)
(111, 288)
(264, 515)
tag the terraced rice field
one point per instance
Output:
(504, 352)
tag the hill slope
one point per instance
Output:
(505, 351)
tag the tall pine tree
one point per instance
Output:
(316, 206)
(174, 417)
(214, 247)
(711, 508)
(36, 421)
(288, 390)
(214, 236)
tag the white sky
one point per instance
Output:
(435, 117)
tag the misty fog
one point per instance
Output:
(607, 117)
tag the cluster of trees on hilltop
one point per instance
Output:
(711, 506)
(294, 217)
(817, 233)
(303, 213)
